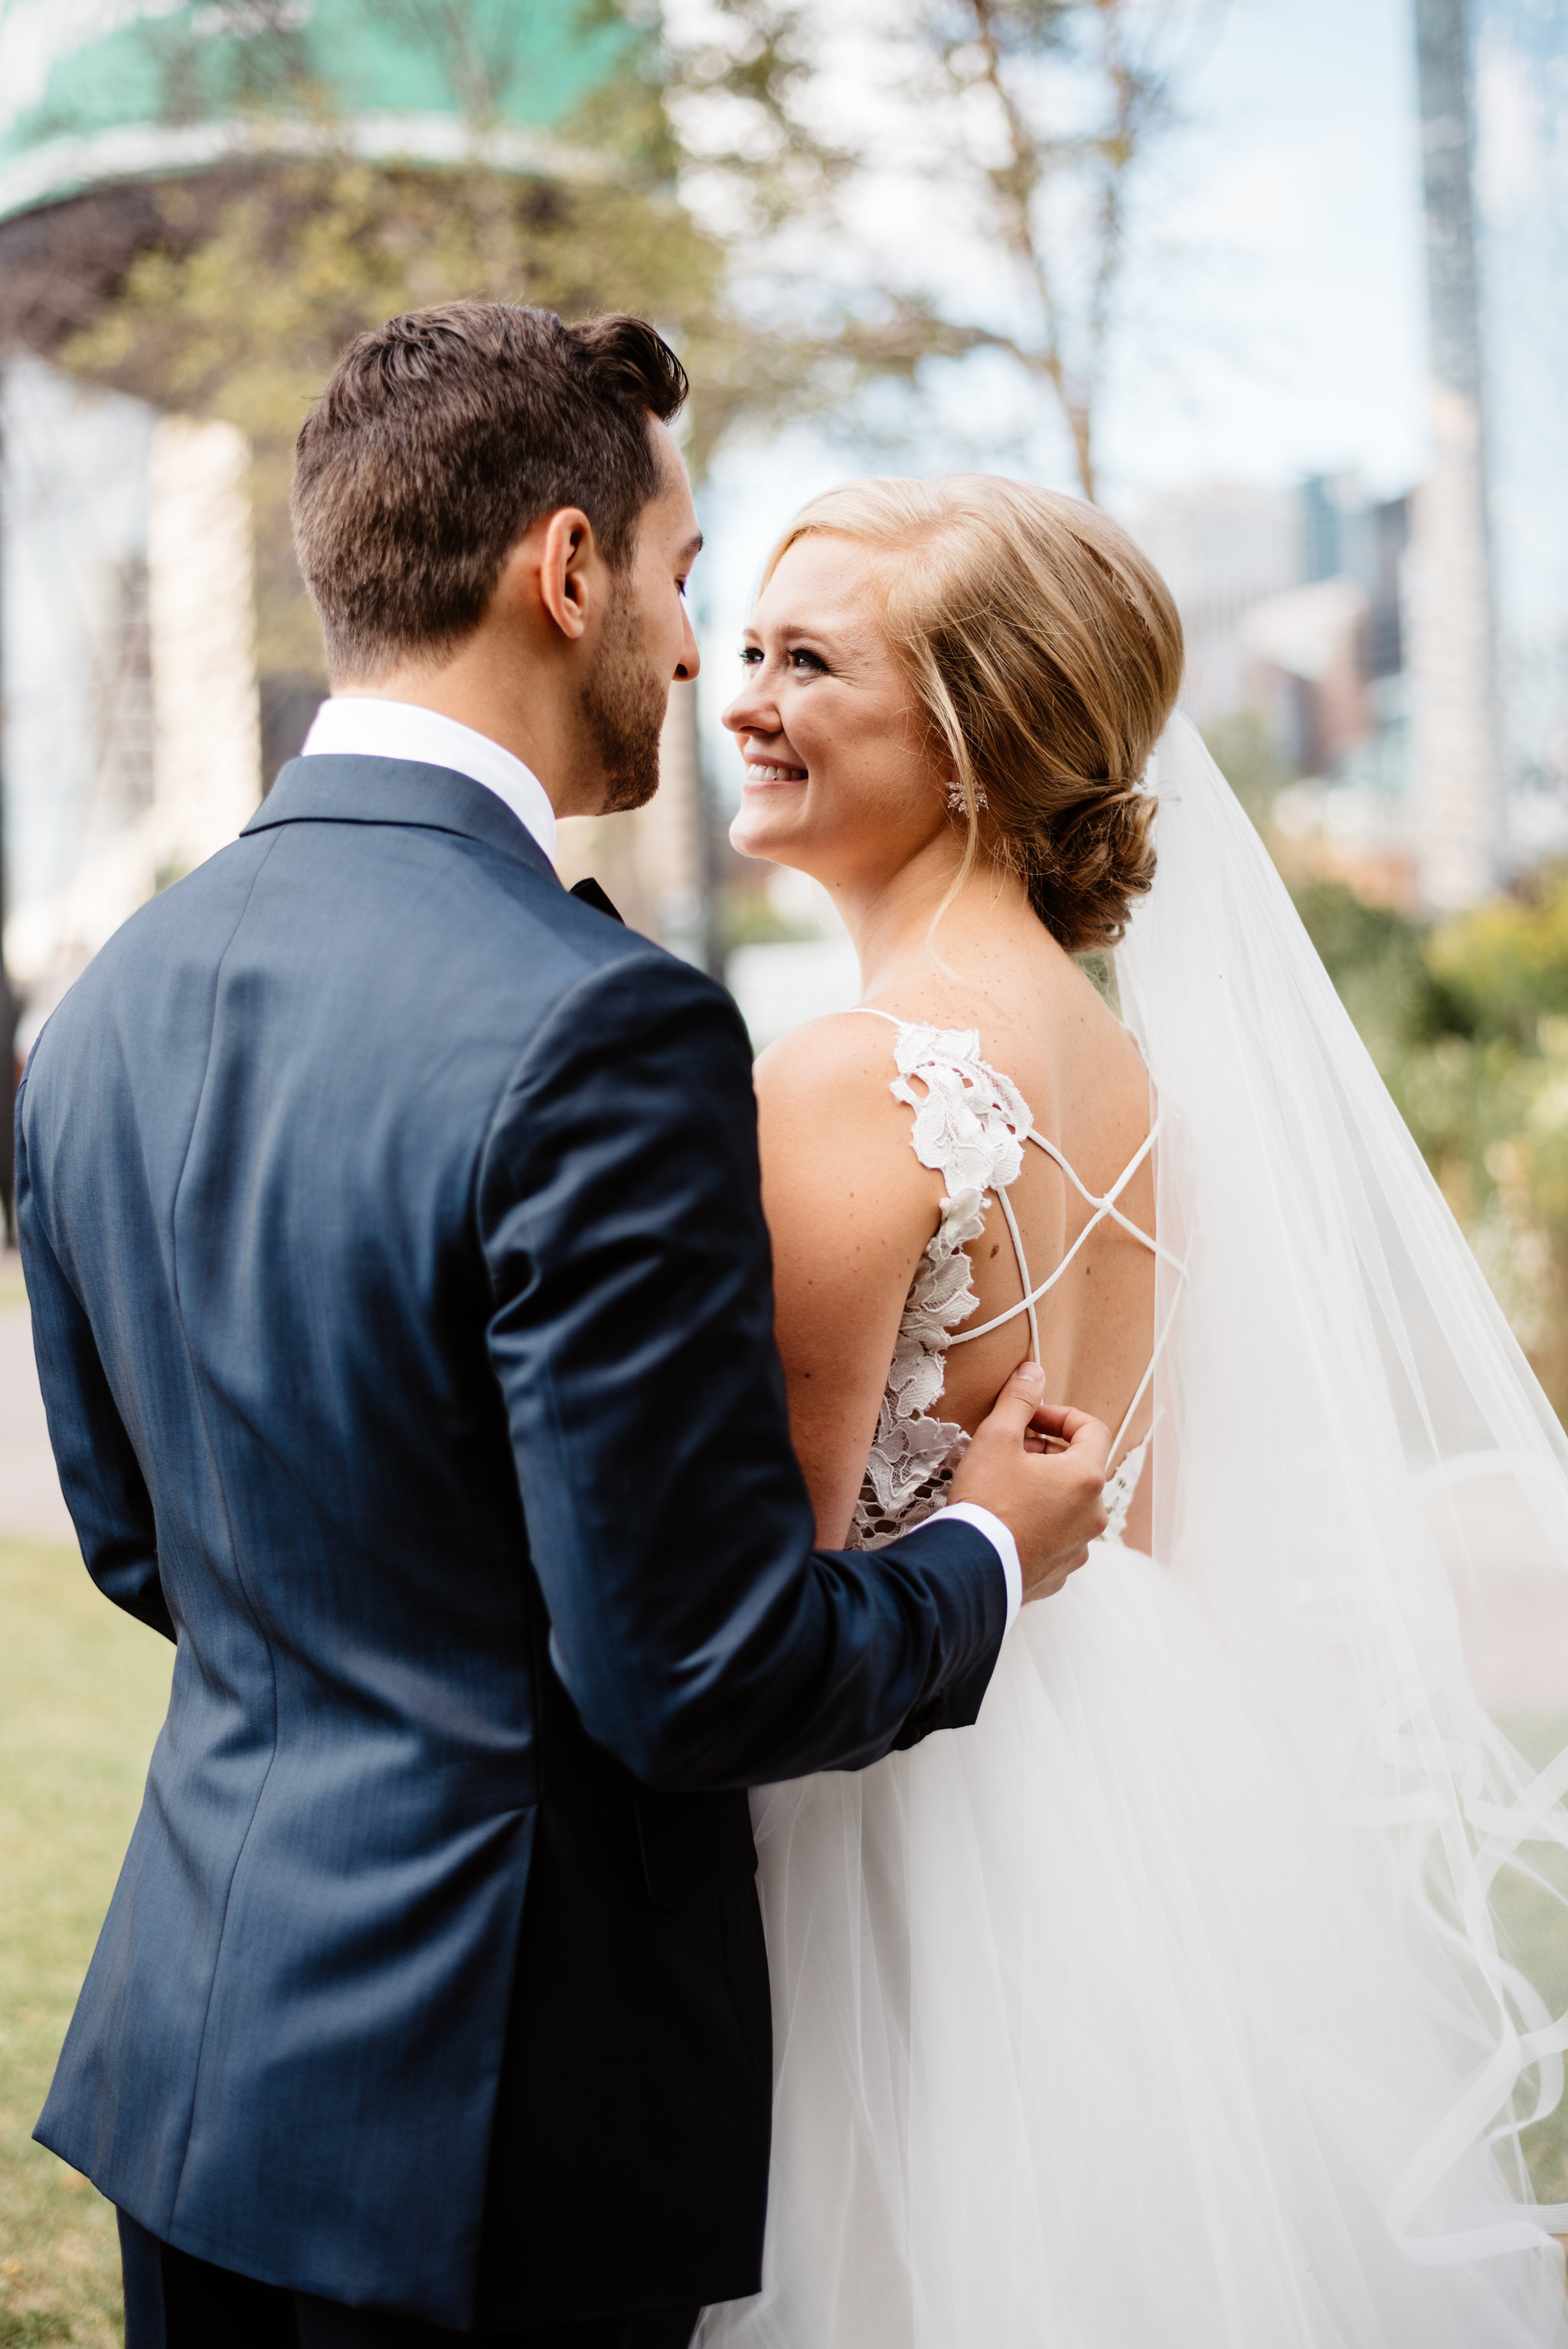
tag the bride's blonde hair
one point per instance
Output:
(1045, 652)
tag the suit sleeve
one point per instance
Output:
(701, 1636)
(99, 1475)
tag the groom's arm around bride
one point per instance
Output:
(402, 1304)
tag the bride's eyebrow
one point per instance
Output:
(798, 632)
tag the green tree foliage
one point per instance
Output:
(662, 196)
(1248, 757)
(1506, 965)
(246, 321)
(240, 300)
(1036, 116)
(241, 307)
(1468, 1022)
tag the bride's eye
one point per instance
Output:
(750, 655)
(813, 663)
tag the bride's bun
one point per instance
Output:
(1046, 651)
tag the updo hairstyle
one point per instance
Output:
(1045, 652)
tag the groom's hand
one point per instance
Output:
(1040, 1468)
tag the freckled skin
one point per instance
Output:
(856, 799)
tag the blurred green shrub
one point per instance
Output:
(1506, 963)
(1468, 1022)
(1244, 749)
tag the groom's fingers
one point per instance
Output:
(1022, 1405)
(1021, 1411)
(1055, 1506)
(1063, 1427)
(1023, 1400)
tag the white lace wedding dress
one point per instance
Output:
(1086, 2035)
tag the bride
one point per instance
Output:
(1164, 2006)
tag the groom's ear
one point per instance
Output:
(570, 568)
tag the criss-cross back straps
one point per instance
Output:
(1104, 1205)
(1105, 1209)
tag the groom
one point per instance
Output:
(401, 1298)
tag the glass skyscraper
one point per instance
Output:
(1519, 78)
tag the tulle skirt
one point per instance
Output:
(1090, 2035)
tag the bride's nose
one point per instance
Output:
(751, 713)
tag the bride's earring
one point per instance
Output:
(957, 801)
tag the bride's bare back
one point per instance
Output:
(852, 1210)
(845, 782)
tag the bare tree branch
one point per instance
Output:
(739, 94)
(1105, 53)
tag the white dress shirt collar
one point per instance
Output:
(360, 726)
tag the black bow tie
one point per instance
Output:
(591, 894)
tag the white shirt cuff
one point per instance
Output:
(1005, 1547)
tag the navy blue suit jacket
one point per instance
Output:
(401, 1298)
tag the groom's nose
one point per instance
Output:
(690, 660)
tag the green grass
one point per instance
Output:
(82, 1692)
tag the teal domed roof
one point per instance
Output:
(97, 91)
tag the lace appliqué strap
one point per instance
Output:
(970, 1123)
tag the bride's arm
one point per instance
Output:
(850, 1208)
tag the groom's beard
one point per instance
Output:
(623, 702)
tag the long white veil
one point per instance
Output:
(1336, 1383)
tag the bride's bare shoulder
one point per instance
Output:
(827, 1108)
(849, 1048)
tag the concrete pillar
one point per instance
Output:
(131, 723)
(206, 712)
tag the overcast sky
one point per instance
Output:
(1282, 328)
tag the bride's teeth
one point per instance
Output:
(761, 774)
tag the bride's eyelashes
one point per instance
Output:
(752, 657)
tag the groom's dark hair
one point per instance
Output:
(443, 436)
